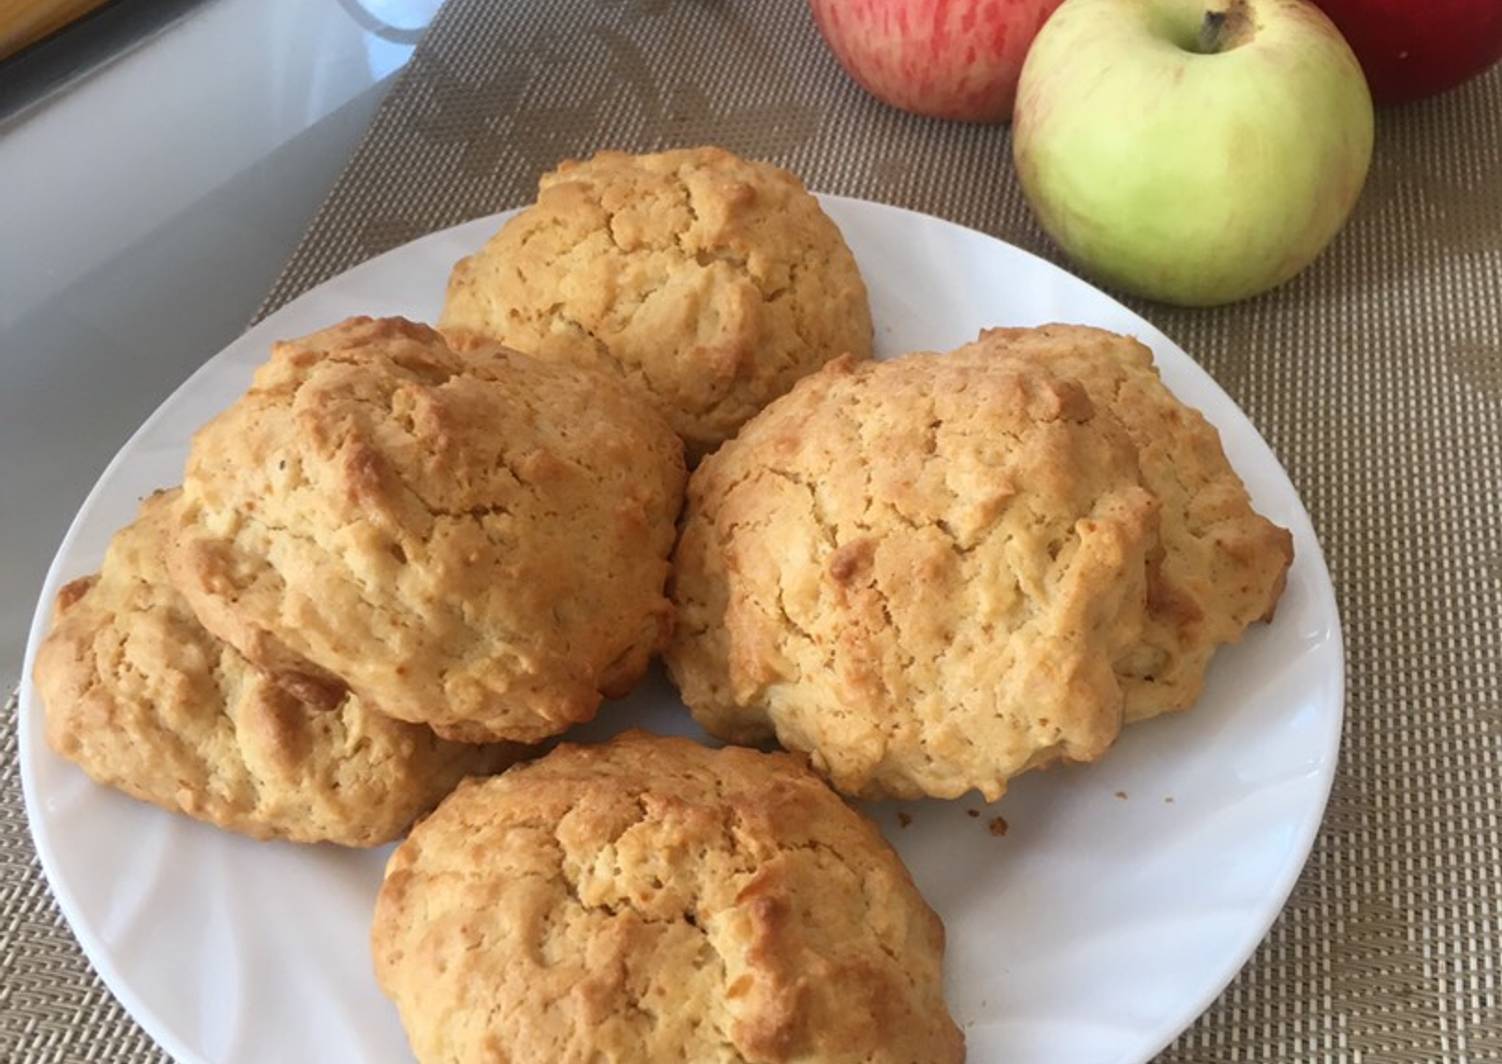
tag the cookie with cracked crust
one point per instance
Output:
(650, 899)
(144, 700)
(468, 539)
(920, 572)
(712, 282)
(1222, 566)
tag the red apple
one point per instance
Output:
(942, 58)
(1414, 48)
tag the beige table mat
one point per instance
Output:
(1376, 376)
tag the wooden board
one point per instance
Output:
(24, 22)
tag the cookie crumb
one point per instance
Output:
(972, 812)
(1121, 795)
(997, 826)
(903, 820)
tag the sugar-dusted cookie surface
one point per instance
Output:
(650, 899)
(468, 539)
(920, 571)
(144, 700)
(1222, 565)
(711, 282)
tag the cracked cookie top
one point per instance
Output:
(468, 539)
(650, 899)
(146, 701)
(919, 571)
(711, 282)
(1222, 565)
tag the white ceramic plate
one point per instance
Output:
(1124, 897)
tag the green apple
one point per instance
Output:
(1192, 152)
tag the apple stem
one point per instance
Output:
(1225, 28)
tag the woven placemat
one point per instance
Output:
(1376, 376)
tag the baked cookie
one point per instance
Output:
(146, 701)
(470, 540)
(920, 572)
(649, 900)
(711, 282)
(1222, 565)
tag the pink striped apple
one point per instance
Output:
(941, 58)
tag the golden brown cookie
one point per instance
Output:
(712, 282)
(146, 701)
(470, 540)
(652, 900)
(920, 571)
(1222, 565)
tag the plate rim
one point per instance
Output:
(1274, 902)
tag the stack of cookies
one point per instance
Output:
(406, 556)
